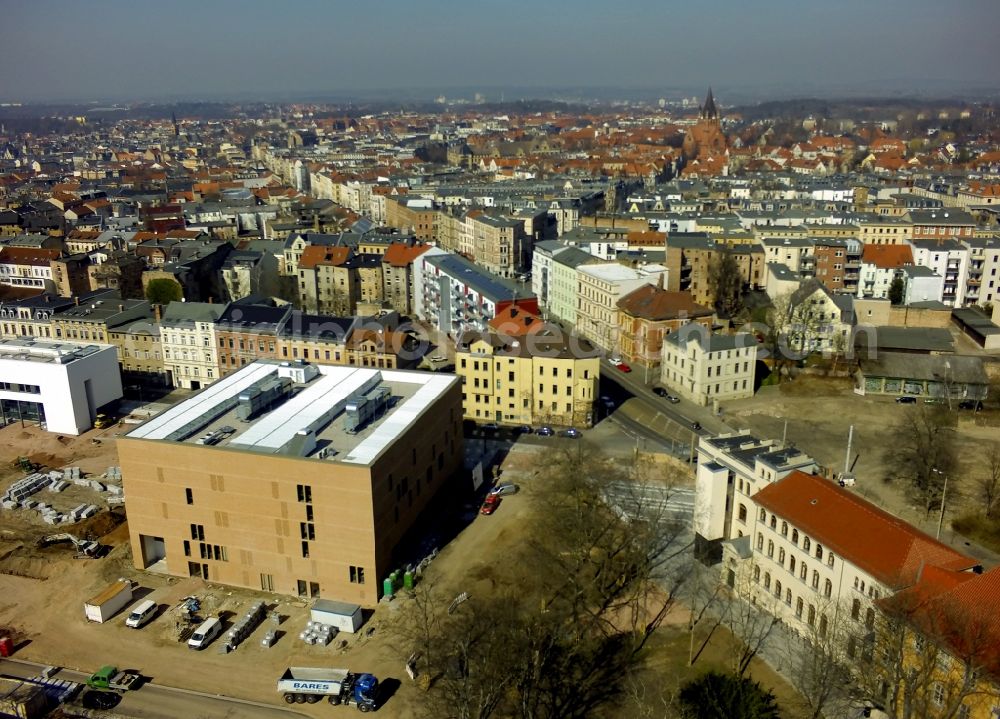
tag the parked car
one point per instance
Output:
(491, 504)
(607, 402)
(696, 425)
(659, 391)
(523, 429)
(623, 367)
(615, 360)
(544, 431)
(970, 404)
(673, 399)
(491, 427)
(505, 488)
(572, 433)
(906, 399)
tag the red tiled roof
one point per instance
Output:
(28, 256)
(887, 257)
(656, 304)
(958, 609)
(314, 255)
(400, 254)
(513, 321)
(892, 551)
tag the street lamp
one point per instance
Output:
(944, 494)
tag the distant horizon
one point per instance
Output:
(969, 93)
(230, 51)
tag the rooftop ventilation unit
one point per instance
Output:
(262, 396)
(362, 408)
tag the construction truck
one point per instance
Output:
(302, 685)
(108, 677)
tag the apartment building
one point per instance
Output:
(547, 377)
(190, 350)
(940, 224)
(140, 354)
(949, 259)
(456, 296)
(498, 244)
(884, 230)
(599, 287)
(397, 274)
(556, 276)
(815, 554)
(415, 215)
(91, 320)
(705, 367)
(28, 268)
(310, 498)
(880, 265)
(648, 314)
(983, 283)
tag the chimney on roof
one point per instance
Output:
(76, 300)
(659, 281)
(156, 314)
(121, 308)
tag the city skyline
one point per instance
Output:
(227, 50)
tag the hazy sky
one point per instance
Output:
(138, 49)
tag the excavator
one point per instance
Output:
(85, 548)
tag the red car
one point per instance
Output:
(491, 504)
(623, 367)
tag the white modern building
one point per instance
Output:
(59, 385)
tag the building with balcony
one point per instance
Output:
(948, 258)
(599, 288)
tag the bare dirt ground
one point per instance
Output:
(819, 413)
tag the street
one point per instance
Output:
(152, 701)
(638, 498)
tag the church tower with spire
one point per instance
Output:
(705, 138)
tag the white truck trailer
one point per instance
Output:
(302, 685)
(109, 602)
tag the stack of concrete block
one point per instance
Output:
(58, 485)
(114, 474)
(24, 488)
(99, 486)
(115, 489)
(82, 511)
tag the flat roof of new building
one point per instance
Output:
(309, 420)
(28, 350)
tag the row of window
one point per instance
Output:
(20, 387)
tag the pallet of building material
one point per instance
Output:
(90, 511)
(59, 486)
(113, 489)
(28, 504)
(99, 486)
(8, 504)
(52, 518)
(115, 501)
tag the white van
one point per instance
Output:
(204, 634)
(141, 613)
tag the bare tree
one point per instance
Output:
(752, 617)
(819, 663)
(601, 563)
(922, 453)
(989, 481)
